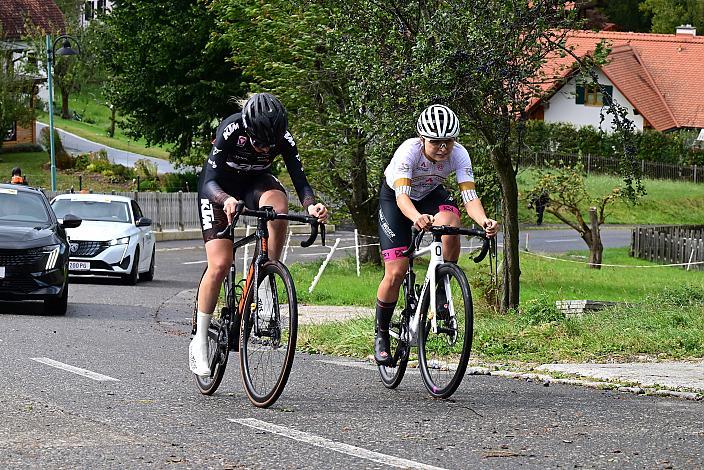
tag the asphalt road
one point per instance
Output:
(143, 410)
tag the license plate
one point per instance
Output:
(78, 265)
(2, 272)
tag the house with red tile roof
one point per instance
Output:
(658, 78)
(15, 16)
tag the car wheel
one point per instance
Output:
(58, 305)
(149, 275)
(132, 278)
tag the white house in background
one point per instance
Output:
(658, 78)
(92, 9)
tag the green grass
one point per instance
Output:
(95, 121)
(35, 167)
(666, 202)
(662, 312)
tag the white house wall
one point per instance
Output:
(562, 107)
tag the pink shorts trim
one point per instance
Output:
(448, 208)
(393, 253)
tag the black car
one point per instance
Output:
(33, 249)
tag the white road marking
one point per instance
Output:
(180, 248)
(356, 364)
(564, 240)
(318, 441)
(75, 370)
(196, 262)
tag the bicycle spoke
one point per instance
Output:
(445, 351)
(268, 348)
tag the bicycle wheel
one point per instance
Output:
(268, 339)
(443, 355)
(391, 376)
(218, 342)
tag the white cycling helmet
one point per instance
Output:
(438, 122)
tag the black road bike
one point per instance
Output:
(257, 316)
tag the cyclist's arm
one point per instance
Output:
(475, 210)
(215, 166)
(292, 160)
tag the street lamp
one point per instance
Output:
(65, 49)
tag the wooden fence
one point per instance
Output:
(606, 165)
(670, 244)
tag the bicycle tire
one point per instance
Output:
(391, 376)
(266, 356)
(443, 355)
(218, 342)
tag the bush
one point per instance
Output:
(22, 148)
(186, 182)
(667, 147)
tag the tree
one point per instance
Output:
(627, 15)
(292, 50)
(171, 81)
(481, 59)
(571, 203)
(668, 14)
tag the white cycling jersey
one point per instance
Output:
(410, 172)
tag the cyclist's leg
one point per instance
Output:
(219, 255)
(394, 235)
(267, 190)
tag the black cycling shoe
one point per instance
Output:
(382, 350)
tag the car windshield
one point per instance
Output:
(104, 211)
(22, 209)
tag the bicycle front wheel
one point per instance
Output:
(268, 339)
(443, 354)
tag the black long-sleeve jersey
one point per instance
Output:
(233, 157)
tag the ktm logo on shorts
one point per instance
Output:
(206, 211)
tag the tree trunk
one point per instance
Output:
(64, 104)
(363, 207)
(113, 110)
(596, 248)
(511, 265)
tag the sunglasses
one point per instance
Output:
(258, 144)
(439, 142)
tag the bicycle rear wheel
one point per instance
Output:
(218, 342)
(391, 376)
(269, 329)
(443, 355)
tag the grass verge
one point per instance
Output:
(662, 314)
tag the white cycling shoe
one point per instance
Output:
(198, 358)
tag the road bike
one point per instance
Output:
(436, 317)
(261, 323)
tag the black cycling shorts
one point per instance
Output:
(395, 228)
(246, 187)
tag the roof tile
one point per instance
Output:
(14, 14)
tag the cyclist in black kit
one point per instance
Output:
(239, 169)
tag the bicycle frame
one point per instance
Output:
(413, 299)
(435, 250)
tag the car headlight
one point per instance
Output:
(53, 254)
(119, 241)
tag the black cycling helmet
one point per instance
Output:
(264, 118)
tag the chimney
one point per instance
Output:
(686, 30)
